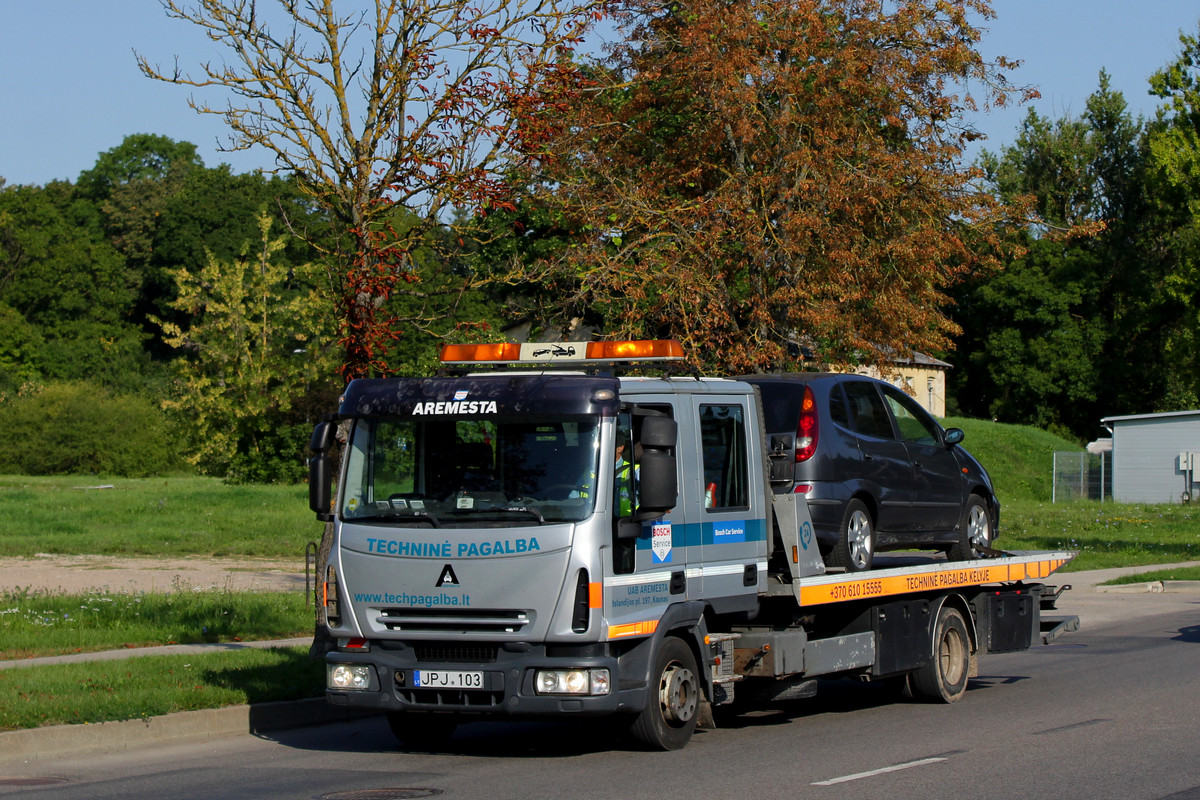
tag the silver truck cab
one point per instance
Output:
(539, 543)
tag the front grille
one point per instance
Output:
(451, 698)
(447, 653)
(443, 620)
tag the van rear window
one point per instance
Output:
(781, 405)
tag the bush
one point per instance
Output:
(78, 427)
(278, 455)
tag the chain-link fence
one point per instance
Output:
(1082, 476)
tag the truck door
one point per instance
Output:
(649, 571)
(724, 482)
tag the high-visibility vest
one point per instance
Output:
(624, 486)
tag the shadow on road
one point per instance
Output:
(1190, 634)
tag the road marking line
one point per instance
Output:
(881, 771)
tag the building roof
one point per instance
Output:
(1160, 415)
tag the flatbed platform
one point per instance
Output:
(929, 575)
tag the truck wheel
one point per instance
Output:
(669, 718)
(944, 678)
(975, 533)
(421, 731)
(854, 550)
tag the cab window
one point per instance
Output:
(723, 437)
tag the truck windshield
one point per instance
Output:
(471, 472)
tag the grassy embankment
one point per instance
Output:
(99, 691)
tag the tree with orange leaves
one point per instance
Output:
(761, 178)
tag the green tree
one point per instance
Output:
(60, 273)
(260, 357)
(1174, 191)
(20, 349)
(212, 212)
(139, 157)
(1027, 354)
(1059, 337)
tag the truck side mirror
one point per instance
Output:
(320, 471)
(658, 484)
(658, 480)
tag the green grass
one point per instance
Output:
(148, 686)
(38, 623)
(1105, 534)
(184, 516)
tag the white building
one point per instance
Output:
(1156, 457)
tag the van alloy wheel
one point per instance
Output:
(975, 534)
(855, 549)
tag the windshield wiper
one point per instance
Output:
(421, 516)
(533, 512)
(527, 510)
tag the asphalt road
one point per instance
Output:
(1111, 711)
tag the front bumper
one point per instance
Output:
(508, 682)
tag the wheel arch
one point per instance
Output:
(960, 604)
(864, 496)
(685, 621)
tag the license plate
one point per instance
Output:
(447, 679)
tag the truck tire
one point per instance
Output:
(854, 549)
(669, 718)
(420, 731)
(975, 532)
(944, 678)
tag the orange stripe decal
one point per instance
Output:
(632, 629)
(595, 595)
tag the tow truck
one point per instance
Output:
(539, 532)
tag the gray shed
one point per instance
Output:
(1156, 457)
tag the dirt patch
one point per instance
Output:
(74, 574)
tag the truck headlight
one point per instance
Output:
(572, 681)
(349, 677)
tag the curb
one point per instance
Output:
(1151, 587)
(103, 738)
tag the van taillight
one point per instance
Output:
(807, 430)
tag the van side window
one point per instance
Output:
(837, 407)
(867, 410)
(726, 476)
(915, 426)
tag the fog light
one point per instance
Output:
(549, 682)
(572, 681)
(348, 676)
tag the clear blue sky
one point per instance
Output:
(69, 86)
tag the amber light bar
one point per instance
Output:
(480, 353)
(642, 350)
(563, 352)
